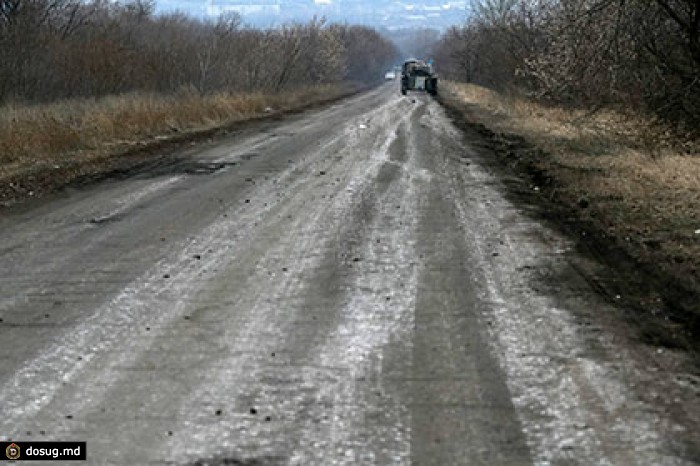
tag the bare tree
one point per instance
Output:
(643, 54)
(53, 49)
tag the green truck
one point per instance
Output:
(418, 75)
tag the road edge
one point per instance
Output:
(672, 323)
(36, 185)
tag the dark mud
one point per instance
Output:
(663, 305)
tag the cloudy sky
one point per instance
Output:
(388, 13)
(191, 7)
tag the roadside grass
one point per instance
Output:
(43, 147)
(626, 170)
(627, 175)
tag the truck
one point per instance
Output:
(418, 75)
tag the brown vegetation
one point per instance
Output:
(638, 55)
(598, 103)
(69, 48)
(81, 81)
(622, 179)
(45, 146)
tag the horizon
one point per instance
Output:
(388, 15)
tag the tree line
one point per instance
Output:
(60, 49)
(643, 54)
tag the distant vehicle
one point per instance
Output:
(390, 75)
(418, 75)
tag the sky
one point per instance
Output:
(390, 14)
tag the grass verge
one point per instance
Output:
(45, 147)
(619, 181)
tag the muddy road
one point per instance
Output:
(346, 286)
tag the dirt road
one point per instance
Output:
(345, 286)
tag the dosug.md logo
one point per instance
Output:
(12, 451)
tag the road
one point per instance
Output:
(351, 285)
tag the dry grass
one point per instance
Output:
(34, 140)
(625, 172)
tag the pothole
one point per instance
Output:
(207, 168)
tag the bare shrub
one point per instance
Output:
(67, 48)
(640, 55)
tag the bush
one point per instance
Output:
(644, 54)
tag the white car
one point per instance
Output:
(390, 75)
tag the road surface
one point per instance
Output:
(347, 286)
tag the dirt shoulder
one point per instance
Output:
(621, 186)
(48, 147)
